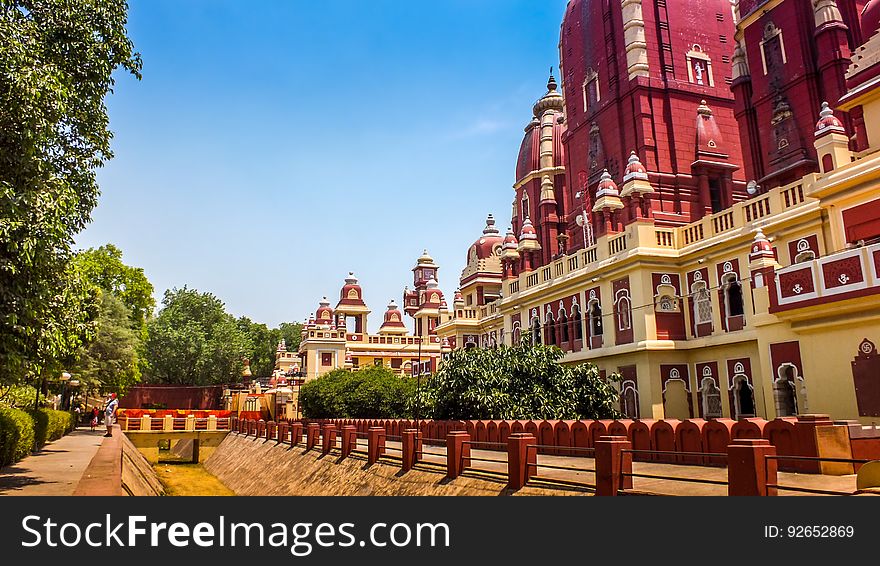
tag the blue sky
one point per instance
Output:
(269, 151)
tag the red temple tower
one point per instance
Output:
(649, 77)
(790, 56)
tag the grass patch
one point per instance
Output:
(189, 479)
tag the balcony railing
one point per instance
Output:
(835, 277)
(737, 220)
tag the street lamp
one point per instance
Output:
(64, 378)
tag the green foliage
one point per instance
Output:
(16, 435)
(110, 362)
(194, 341)
(103, 268)
(291, 332)
(57, 64)
(20, 396)
(50, 425)
(369, 393)
(265, 343)
(520, 382)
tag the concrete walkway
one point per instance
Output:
(54, 470)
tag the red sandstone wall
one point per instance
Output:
(173, 397)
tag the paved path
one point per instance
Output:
(54, 470)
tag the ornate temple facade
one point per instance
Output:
(337, 337)
(696, 209)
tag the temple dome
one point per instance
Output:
(393, 321)
(606, 186)
(324, 314)
(487, 245)
(828, 121)
(351, 293)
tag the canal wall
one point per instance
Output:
(257, 466)
(118, 469)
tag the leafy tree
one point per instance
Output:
(21, 396)
(368, 393)
(56, 67)
(520, 382)
(264, 342)
(194, 341)
(291, 332)
(103, 268)
(110, 362)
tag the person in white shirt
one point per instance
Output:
(110, 413)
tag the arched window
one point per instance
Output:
(629, 400)
(536, 331)
(576, 321)
(517, 334)
(595, 314)
(785, 390)
(550, 329)
(624, 313)
(744, 399)
(563, 326)
(733, 295)
(711, 398)
(702, 303)
(807, 255)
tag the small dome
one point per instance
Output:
(488, 244)
(761, 244)
(432, 283)
(552, 100)
(528, 237)
(425, 258)
(607, 186)
(324, 314)
(634, 168)
(528, 231)
(393, 321)
(510, 239)
(509, 249)
(351, 293)
(828, 122)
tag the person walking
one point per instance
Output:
(95, 414)
(110, 413)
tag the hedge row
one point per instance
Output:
(21, 431)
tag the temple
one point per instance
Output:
(335, 338)
(695, 209)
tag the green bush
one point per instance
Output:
(16, 435)
(51, 425)
(516, 382)
(22, 431)
(370, 393)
